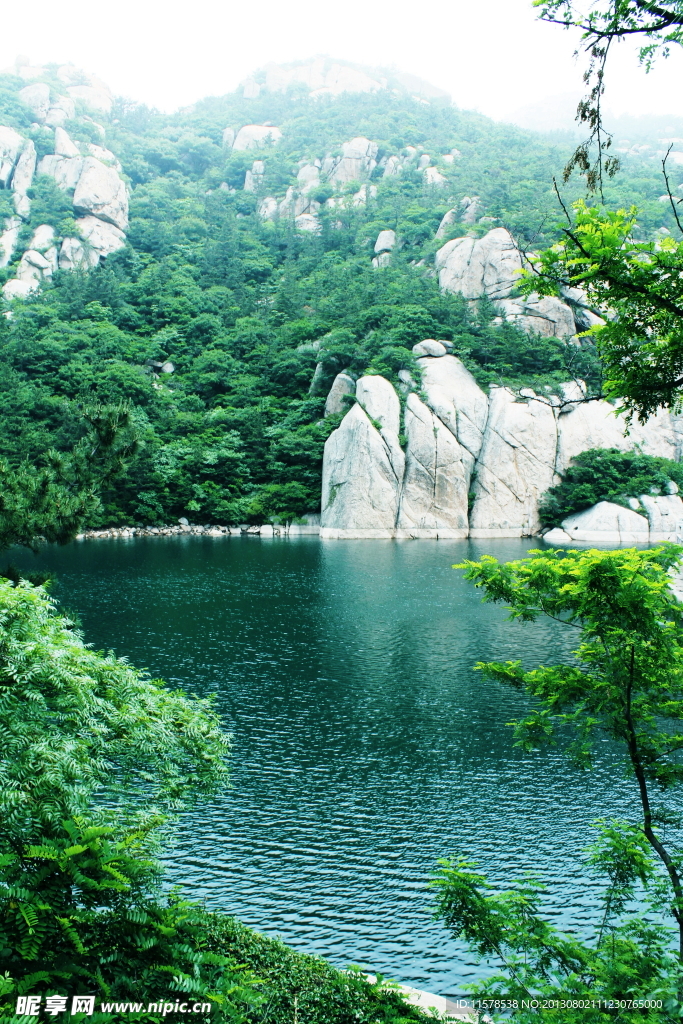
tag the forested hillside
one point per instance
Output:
(233, 304)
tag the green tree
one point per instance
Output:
(86, 738)
(638, 287)
(52, 502)
(659, 22)
(625, 683)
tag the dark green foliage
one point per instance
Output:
(606, 474)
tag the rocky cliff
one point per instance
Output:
(497, 453)
(86, 171)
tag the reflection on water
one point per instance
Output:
(365, 747)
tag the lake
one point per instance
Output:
(365, 747)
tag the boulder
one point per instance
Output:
(43, 238)
(11, 145)
(436, 481)
(307, 222)
(308, 177)
(102, 193)
(62, 109)
(383, 260)
(95, 97)
(268, 208)
(22, 205)
(458, 401)
(447, 222)
(255, 136)
(16, 289)
(471, 208)
(73, 256)
(607, 523)
(228, 137)
(337, 400)
(429, 347)
(362, 473)
(515, 467)
(103, 238)
(33, 266)
(386, 240)
(356, 162)
(392, 167)
(8, 239)
(37, 97)
(24, 169)
(377, 398)
(434, 177)
(104, 155)
(64, 145)
(665, 517)
(480, 266)
(595, 425)
(65, 170)
(491, 266)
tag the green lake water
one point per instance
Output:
(365, 747)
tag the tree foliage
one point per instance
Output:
(624, 683)
(638, 287)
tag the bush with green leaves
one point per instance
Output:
(607, 474)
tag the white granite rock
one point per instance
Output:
(308, 177)
(471, 208)
(456, 398)
(24, 169)
(515, 468)
(104, 238)
(386, 240)
(362, 473)
(42, 238)
(557, 536)
(102, 193)
(11, 145)
(8, 239)
(392, 167)
(22, 205)
(436, 482)
(268, 208)
(16, 289)
(65, 170)
(665, 516)
(94, 97)
(342, 388)
(429, 347)
(37, 97)
(434, 177)
(228, 137)
(491, 266)
(377, 397)
(383, 260)
(307, 222)
(104, 155)
(254, 136)
(321, 77)
(447, 221)
(356, 162)
(64, 146)
(61, 110)
(595, 425)
(73, 255)
(607, 523)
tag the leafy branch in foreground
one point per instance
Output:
(605, 22)
(638, 287)
(52, 502)
(624, 683)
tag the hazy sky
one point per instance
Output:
(490, 55)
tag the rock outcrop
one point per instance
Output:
(89, 171)
(254, 136)
(491, 266)
(500, 453)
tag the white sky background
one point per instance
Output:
(490, 55)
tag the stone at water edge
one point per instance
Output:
(456, 398)
(665, 517)
(607, 523)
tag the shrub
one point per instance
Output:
(606, 474)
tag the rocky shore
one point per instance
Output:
(309, 526)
